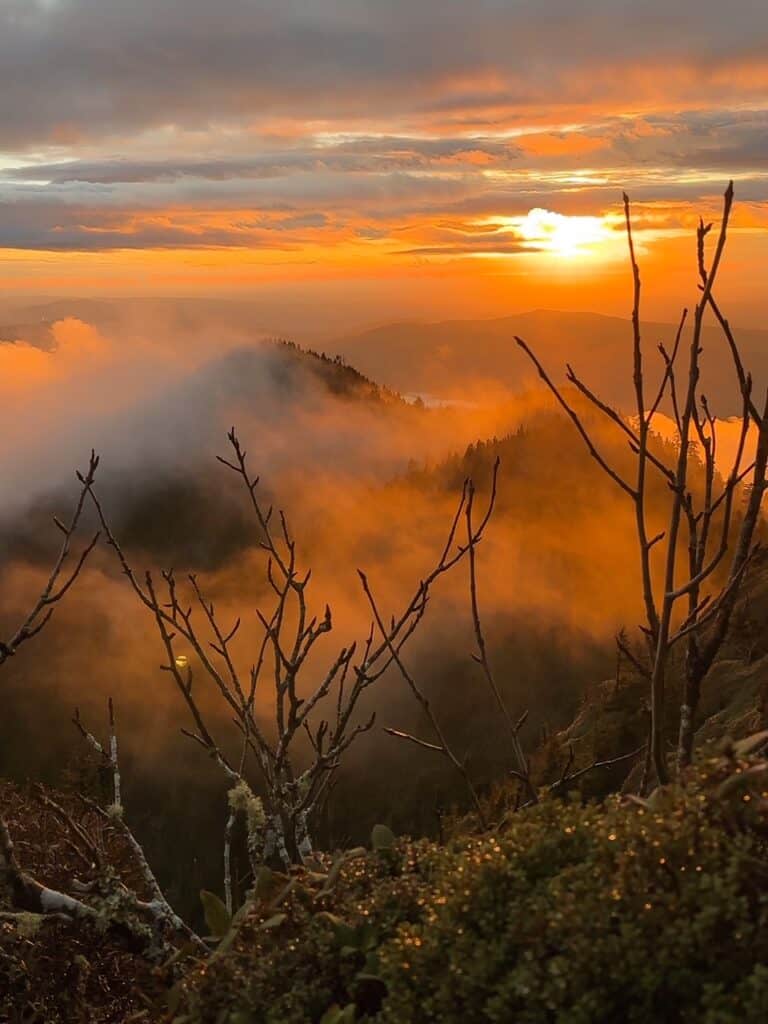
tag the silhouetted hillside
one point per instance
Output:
(174, 485)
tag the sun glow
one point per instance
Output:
(562, 235)
(566, 236)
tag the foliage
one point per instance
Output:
(627, 910)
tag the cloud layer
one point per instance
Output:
(366, 131)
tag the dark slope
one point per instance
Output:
(159, 473)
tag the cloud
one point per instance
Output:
(324, 189)
(97, 68)
(352, 136)
(381, 154)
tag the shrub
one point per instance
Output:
(623, 911)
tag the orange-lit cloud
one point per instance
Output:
(291, 143)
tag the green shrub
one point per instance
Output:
(616, 912)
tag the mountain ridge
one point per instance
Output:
(447, 357)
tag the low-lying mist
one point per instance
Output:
(367, 480)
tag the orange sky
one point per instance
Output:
(408, 165)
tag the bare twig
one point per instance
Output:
(291, 785)
(481, 658)
(705, 622)
(62, 575)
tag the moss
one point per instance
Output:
(28, 925)
(578, 913)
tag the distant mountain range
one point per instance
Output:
(446, 358)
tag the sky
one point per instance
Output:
(390, 158)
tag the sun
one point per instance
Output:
(557, 234)
(561, 234)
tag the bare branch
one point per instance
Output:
(61, 579)
(576, 421)
(482, 656)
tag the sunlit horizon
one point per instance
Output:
(325, 161)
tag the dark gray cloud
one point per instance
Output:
(479, 246)
(380, 211)
(703, 140)
(55, 227)
(375, 155)
(270, 123)
(282, 214)
(104, 67)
